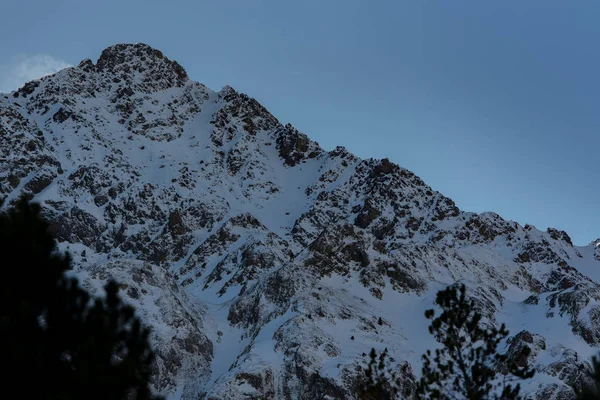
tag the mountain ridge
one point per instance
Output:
(262, 261)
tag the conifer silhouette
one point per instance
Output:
(592, 390)
(53, 335)
(379, 382)
(467, 365)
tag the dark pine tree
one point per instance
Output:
(56, 342)
(592, 390)
(379, 381)
(467, 365)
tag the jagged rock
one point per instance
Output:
(175, 223)
(62, 115)
(536, 344)
(78, 226)
(294, 146)
(384, 167)
(559, 235)
(39, 182)
(367, 214)
(143, 59)
(581, 306)
(100, 200)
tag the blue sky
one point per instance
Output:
(495, 104)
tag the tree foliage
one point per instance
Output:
(379, 381)
(468, 364)
(592, 390)
(54, 335)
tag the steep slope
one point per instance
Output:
(262, 261)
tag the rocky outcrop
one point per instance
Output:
(123, 61)
(295, 147)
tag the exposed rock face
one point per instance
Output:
(267, 265)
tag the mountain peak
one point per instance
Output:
(140, 57)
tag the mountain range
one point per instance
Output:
(267, 266)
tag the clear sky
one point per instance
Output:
(493, 103)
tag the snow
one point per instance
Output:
(587, 265)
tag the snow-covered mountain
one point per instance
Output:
(262, 261)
